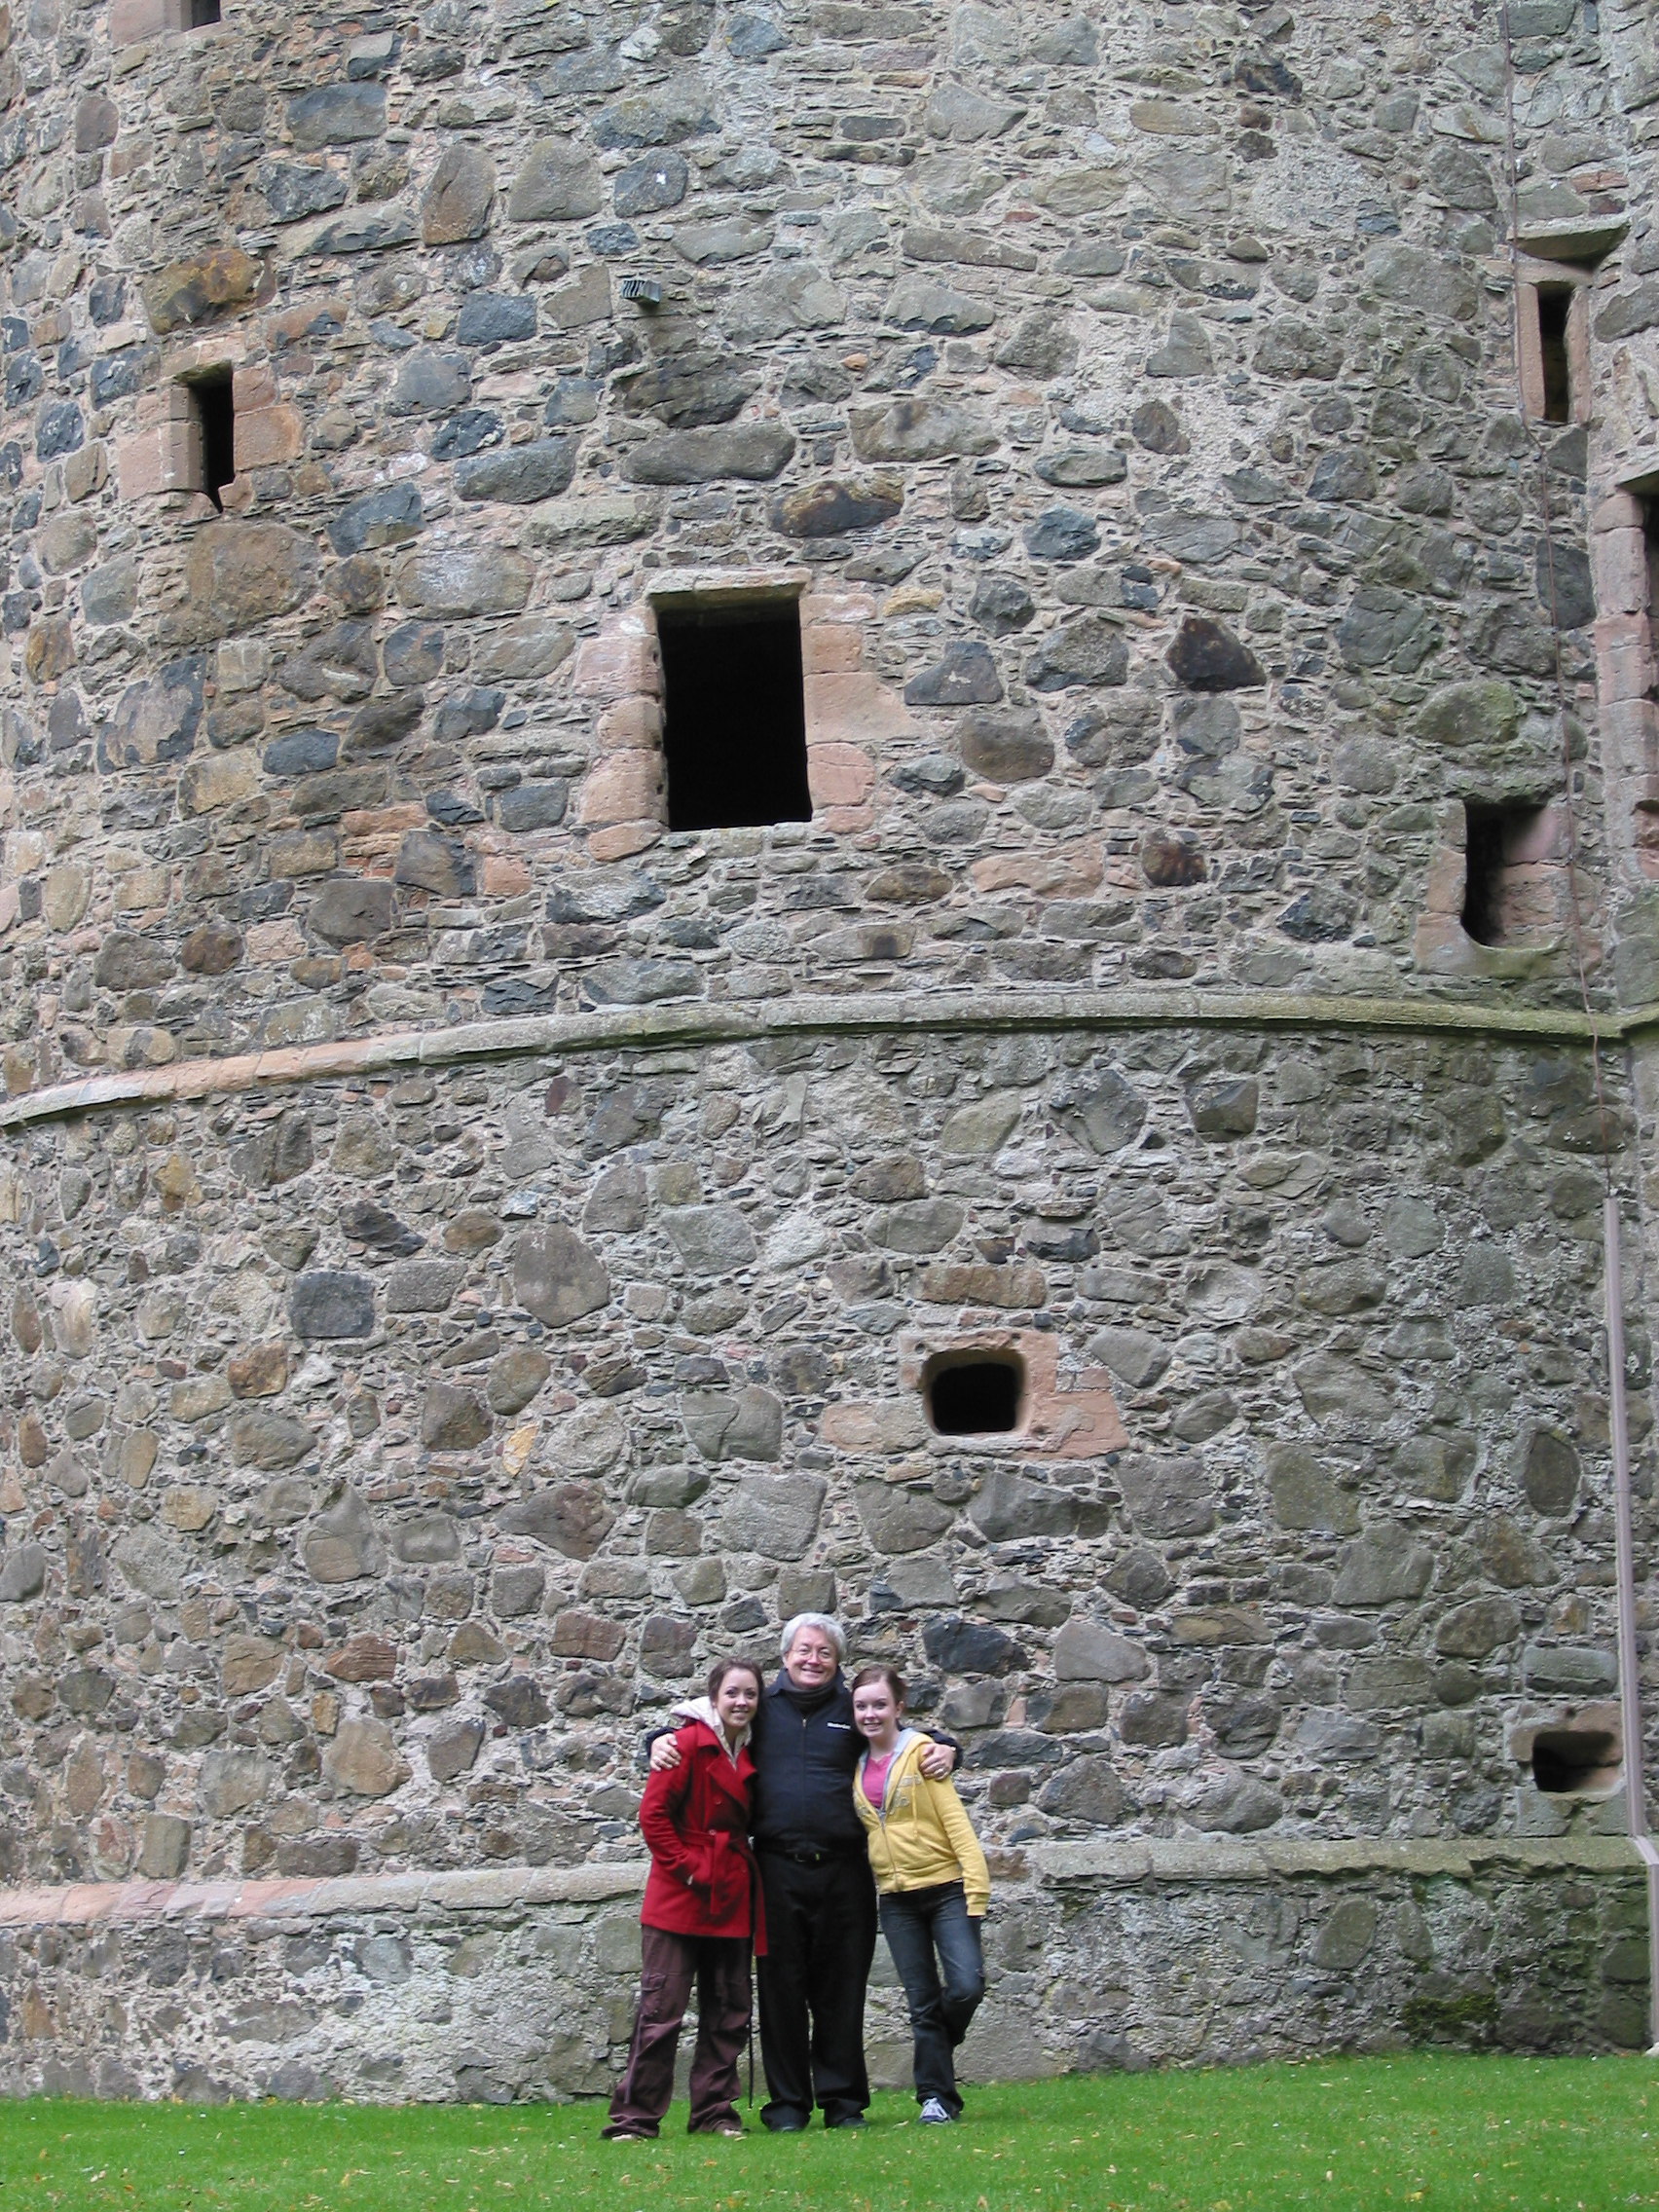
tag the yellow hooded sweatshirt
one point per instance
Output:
(921, 1837)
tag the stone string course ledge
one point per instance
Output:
(518, 1982)
(991, 1012)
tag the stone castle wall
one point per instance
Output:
(472, 1254)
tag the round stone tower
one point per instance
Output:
(799, 807)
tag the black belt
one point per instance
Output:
(806, 1858)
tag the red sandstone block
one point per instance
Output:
(1619, 511)
(1624, 657)
(631, 724)
(502, 877)
(133, 20)
(252, 386)
(828, 645)
(1069, 873)
(267, 437)
(140, 465)
(623, 840)
(615, 664)
(1618, 569)
(623, 787)
(838, 774)
(854, 707)
(836, 607)
(1445, 883)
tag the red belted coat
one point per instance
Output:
(695, 1819)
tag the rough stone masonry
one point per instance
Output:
(472, 1252)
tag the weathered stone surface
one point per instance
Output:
(773, 1515)
(751, 451)
(918, 429)
(1206, 656)
(330, 1305)
(557, 1278)
(1085, 1652)
(453, 582)
(555, 183)
(458, 200)
(364, 1759)
(734, 1425)
(1166, 1497)
(341, 1544)
(239, 575)
(570, 1518)
(195, 291)
(519, 475)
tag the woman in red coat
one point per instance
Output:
(701, 1913)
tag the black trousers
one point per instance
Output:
(820, 1942)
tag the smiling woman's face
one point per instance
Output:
(811, 1660)
(737, 1697)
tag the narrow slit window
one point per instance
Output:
(974, 1397)
(1498, 855)
(1553, 306)
(212, 460)
(734, 716)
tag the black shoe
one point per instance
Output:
(784, 2122)
(848, 2119)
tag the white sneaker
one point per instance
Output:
(933, 2112)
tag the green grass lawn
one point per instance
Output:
(1447, 2131)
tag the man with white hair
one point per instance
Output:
(821, 1916)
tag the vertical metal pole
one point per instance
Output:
(1630, 1685)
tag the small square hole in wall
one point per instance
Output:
(1497, 847)
(1554, 304)
(1571, 1761)
(203, 13)
(974, 1394)
(734, 716)
(212, 451)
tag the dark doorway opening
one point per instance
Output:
(1569, 1759)
(1493, 837)
(214, 418)
(976, 1397)
(1553, 306)
(203, 13)
(734, 718)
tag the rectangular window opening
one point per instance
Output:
(1554, 302)
(213, 435)
(734, 715)
(203, 13)
(1497, 847)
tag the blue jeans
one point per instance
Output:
(917, 1923)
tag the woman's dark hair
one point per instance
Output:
(721, 1668)
(891, 1675)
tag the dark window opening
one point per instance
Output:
(1569, 1759)
(1553, 306)
(976, 1397)
(213, 423)
(203, 13)
(734, 716)
(1494, 840)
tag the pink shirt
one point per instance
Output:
(874, 1778)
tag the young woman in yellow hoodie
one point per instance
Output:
(932, 1881)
